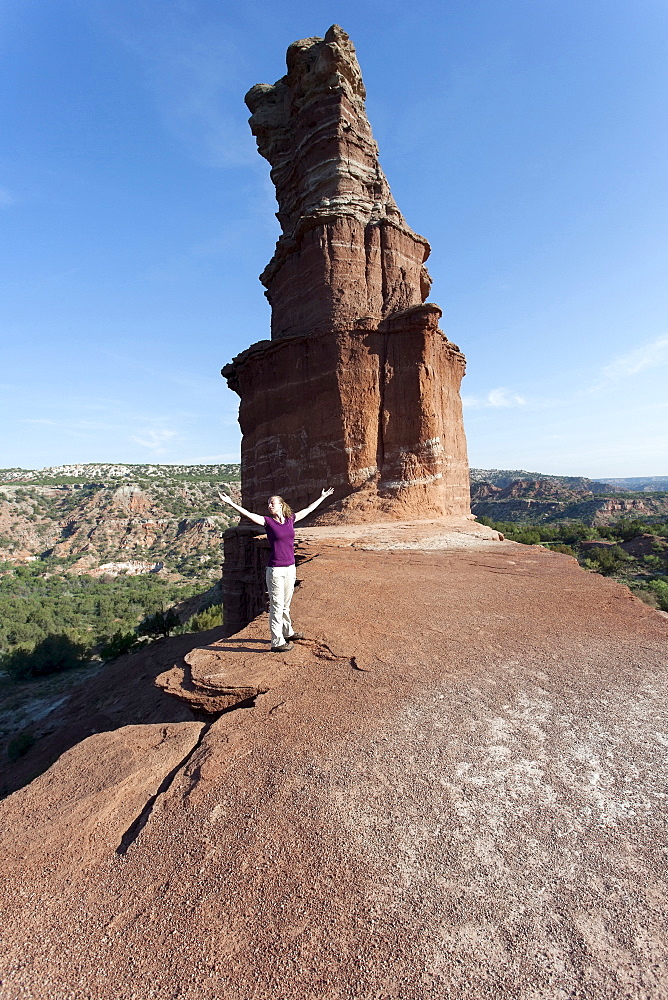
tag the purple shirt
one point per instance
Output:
(282, 540)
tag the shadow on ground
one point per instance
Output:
(122, 693)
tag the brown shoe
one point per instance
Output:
(285, 648)
(295, 636)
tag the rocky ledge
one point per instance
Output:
(455, 787)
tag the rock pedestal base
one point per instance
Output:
(245, 560)
(374, 413)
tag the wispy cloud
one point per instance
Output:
(154, 440)
(6, 198)
(495, 398)
(651, 355)
(504, 397)
(191, 64)
(73, 426)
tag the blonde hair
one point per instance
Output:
(287, 509)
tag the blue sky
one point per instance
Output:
(526, 139)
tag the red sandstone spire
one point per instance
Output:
(358, 388)
(346, 253)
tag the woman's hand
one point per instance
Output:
(307, 510)
(242, 510)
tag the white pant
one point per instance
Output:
(281, 585)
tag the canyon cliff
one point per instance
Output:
(96, 516)
(358, 388)
(551, 500)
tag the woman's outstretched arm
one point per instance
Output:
(307, 510)
(242, 510)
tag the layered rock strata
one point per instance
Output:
(358, 388)
(345, 251)
(376, 413)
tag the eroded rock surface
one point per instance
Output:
(374, 413)
(89, 800)
(454, 788)
(218, 677)
(346, 253)
(358, 388)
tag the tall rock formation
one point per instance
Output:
(357, 388)
(346, 253)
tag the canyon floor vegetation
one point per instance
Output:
(631, 551)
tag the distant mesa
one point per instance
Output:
(559, 498)
(99, 471)
(106, 520)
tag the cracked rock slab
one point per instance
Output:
(90, 796)
(217, 677)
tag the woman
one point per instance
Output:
(280, 528)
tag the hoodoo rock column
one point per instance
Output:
(358, 388)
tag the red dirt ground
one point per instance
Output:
(455, 788)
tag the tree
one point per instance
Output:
(212, 617)
(161, 623)
(660, 588)
(50, 656)
(606, 561)
(119, 644)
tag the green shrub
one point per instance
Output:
(646, 596)
(625, 529)
(568, 532)
(20, 745)
(210, 618)
(660, 589)
(161, 623)
(527, 536)
(566, 549)
(51, 655)
(39, 600)
(606, 561)
(119, 644)
(572, 532)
